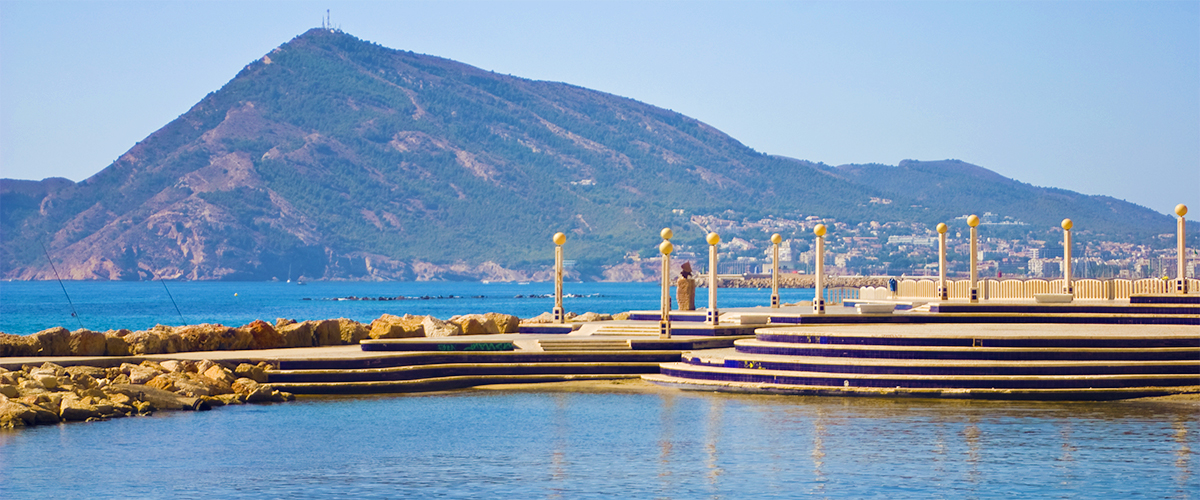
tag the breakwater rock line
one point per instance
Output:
(50, 394)
(164, 339)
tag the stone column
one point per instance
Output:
(559, 314)
(973, 221)
(776, 239)
(819, 295)
(1068, 287)
(943, 292)
(665, 248)
(1181, 284)
(713, 317)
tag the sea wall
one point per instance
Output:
(163, 339)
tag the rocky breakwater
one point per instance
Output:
(285, 333)
(49, 394)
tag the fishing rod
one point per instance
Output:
(164, 284)
(64, 287)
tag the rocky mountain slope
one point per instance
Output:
(336, 158)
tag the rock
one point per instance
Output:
(296, 334)
(53, 342)
(203, 365)
(160, 399)
(391, 326)
(87, 343)
(252, 372)
(326, 332)
(280, 322)
(591, 316)
(115, 344)
(351, 331)
(162, 381)
(231, 399)
(144, 342)
(9, 391)
(622, 316)
(90, 371)
(244, 386)
(263, 335)
(546, 317)
(260, 394)
(14, 414)
(43, 415)
(437, 328)
(140, 374)
(507, 323)
(18, 345)
(74, 409)
(172, 365)
(476, 324)
(213, 337)
(222, 377)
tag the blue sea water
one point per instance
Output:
(666, 444)
(540, 442)
(30, 306)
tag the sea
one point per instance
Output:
(564, 442)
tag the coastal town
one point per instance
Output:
(1008, 248)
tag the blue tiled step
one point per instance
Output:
(801, 378)
(963, 353)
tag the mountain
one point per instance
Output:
(332, 157)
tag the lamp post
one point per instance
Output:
(713, 317)
(665, 248)
(776, 239)
(973, 221)
(1068, 288)
(819, 295)
(943, 293)
(559, 315)
(1181, 284)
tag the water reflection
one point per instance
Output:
(659, 444)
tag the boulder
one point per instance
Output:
(437, 328)
(244, 386)
(220, 374)
(622, 316)
(506, 323)
(90, 371)
(263, 335)
(546, 317)
(591, 316)
(391, 326)
(351, 331)
(74, 409)
(159, 399)
(115, 344)
(18, 345)
(173, 365)
(252, 372)
(162, 381)
(296, 334)
(326, 332)
(14, 414)
(212, 337)
(280, 322)
(53, 342)
(144, 342)
(9, 391)
(476, 324)
(87, 343)
(140, 374)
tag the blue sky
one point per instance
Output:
(1095, 97)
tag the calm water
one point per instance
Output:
(531, 444)
(29, 307)
(544, 444)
